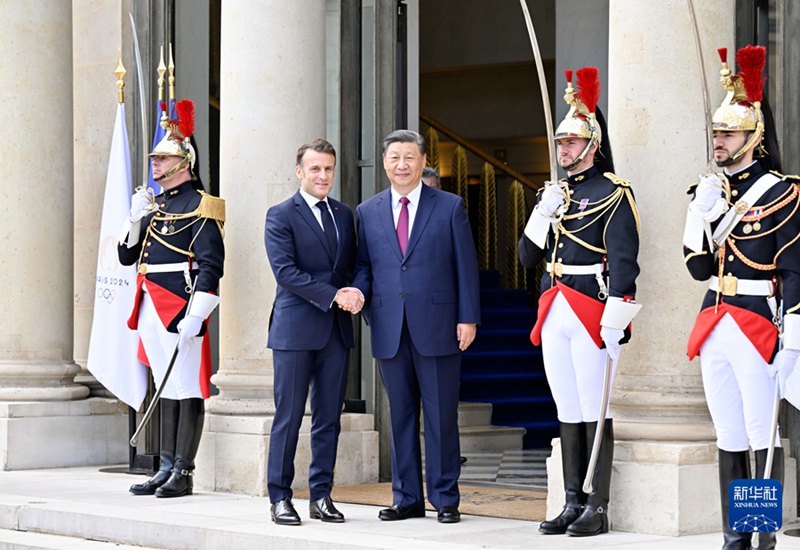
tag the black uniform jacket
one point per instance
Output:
(613, 229)
(159, 244)
(774, 240)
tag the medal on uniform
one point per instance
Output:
(747, 229)
(755, 213)
(584, 203)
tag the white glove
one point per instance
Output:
(611, 337)
(552, 199)
(141, 204)
(708, 196)
(783, 366)
(188, 327)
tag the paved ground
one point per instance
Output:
(84, 509)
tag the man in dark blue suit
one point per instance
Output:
(310, 240)
(418, 271)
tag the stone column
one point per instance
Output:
(665, 473)
(38, 408)
(272, 101)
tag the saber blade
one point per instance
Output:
(548, 117)
(142, 104)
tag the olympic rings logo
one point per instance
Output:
(107, 294)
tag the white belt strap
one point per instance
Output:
(732, 286)
(560, 270)
(742, 206)
(144, 269)
(186, 267)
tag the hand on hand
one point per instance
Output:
(188, 327)
(551, 200)
(350, 299)
(611, 337)
(141, 204)
(465, 332)
(783, 366)
(708, 193)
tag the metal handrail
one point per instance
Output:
(467, 144)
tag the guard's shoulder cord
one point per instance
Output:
(617, 180)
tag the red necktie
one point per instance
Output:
(402, 225)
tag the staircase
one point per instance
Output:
(504, 369)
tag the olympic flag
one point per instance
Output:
(113, 346)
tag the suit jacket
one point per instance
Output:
(435, 286)
(308, 276)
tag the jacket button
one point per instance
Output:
(404, 268)
(402, 294)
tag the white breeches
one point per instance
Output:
(159, 344)
(573, 363)
(738, 388)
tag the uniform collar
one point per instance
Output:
(184, 187)
(752, 172)
(581, 177)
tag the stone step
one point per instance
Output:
(474, 414)
(26, 540)
(490, 438)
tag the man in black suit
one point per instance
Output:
(310, 240)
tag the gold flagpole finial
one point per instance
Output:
(171, 75)
(162, 70)
(120, 72)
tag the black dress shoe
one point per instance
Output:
(283, 513)
(325, 510)
(397, 512)
(448, 514)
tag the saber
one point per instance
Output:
(154, 402)
(601, 421)
(776, 407)
(706, 100)
(773, 434)
(548, 117)
(142, 103)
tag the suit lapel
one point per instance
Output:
(427, 200)
(305, 212)
(387, 221)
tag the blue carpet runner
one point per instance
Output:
(503, 368)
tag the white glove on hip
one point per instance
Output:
(188, 327)
(141, 205)
(708, 195)
(783, 366)
(611, 337)
(551, 200)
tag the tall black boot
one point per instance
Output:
(767, 541)
(573, 466)
(190, 429)
(732, 465)
(594, 518)
(169, 432)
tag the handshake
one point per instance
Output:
(350, 299)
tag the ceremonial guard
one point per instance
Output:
(177, 239)
(741, 236)
(587, 229)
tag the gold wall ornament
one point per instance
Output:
(120, 72)
(459, 174)
(432, 141)
(515, 274)
(487, 219)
